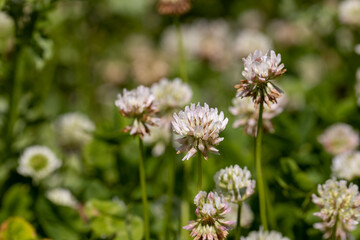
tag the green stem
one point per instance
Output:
(259, 167)
(199, 172)
(185, 207)
(16, 78)
(181, 51)
(238, 222)
(143, 190)
(171, 169)
(333, 234)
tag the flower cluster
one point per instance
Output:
(139, 104)
(74, 130)
(235, 183)
(349, 12)
(264, 235)
(210, 211)
(247, 116)
(171, 94)
(339, 205)
(38, 162)
(63, 197)
(259, 70)
(339, 138)
(199, 127)
(346, 165)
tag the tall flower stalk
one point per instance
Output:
(259, 71)
(140, 105)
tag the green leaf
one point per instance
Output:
(17, 228)
(97, 207)
(135, 227)
(17, 202)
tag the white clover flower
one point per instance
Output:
(346, 165)
(247, 116)
(235, 183)
(139, 104)
(339, 205)
(171, 94)
(264, 235)
(349, 12)
(160, 136)
(211, 210)
(339, 138)
(63, 197)
(357, 49)
(38, 162)
(199, 127)
(259, 70)
(250, 40)
(74, 130)
(247, 215)
(357, 86)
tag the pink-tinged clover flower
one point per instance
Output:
(199, 128)
(140, 105)
(210, 224)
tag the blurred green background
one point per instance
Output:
(76, 56)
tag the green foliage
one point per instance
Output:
(16, 228)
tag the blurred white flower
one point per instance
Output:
(171, 94)
(74, 130)
(259, 70)
(148, 64)
(211, 210)
(160, 137)
(235, 183)
(199, 128)
(264, 235)
(203, 39)
(357, 49)
(340, 206)
(247, 215)
(247, 116)
(346, 165)
(349, 12)
(249, 40)
(62, 197)
(139, 104)
(339, 138)
(289, 33)
(311, 69)
(38, 162)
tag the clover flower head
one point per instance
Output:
(339, 138)
(247, 115)
(259, 70)
(140, 105)
(235, 183)
(38, 162)
(346, 165)
(62, 197)
(349, 12)
(171, 94)
(173, 7)
(74, 130)
(199, 128)
(264, 235)
(339, 205)
(211, 209)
